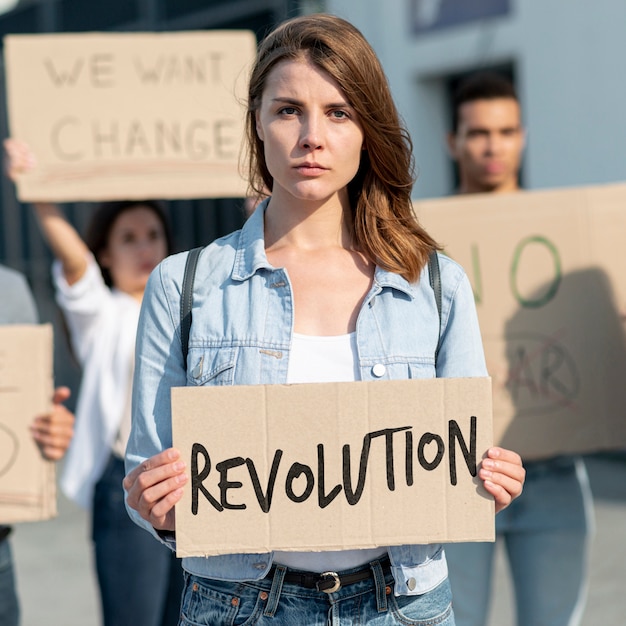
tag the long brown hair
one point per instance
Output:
(385, 227)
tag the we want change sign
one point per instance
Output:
(129, 115)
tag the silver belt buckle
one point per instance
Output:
(335, 577)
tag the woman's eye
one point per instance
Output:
(288, 111)
(340, 115)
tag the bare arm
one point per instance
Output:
(65, 243)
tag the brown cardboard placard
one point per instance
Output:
(332, 466)
(27, 481)
(129, 115)
(547, 269)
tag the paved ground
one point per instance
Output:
(57, 585)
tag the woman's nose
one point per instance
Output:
(311, 134)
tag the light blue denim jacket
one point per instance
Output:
(241, 335)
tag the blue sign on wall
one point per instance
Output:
(430, 15)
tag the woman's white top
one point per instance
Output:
(103, 324)
(324, 360)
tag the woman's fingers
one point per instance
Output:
(155, 486)
(503, 476)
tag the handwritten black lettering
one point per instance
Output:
(225, 143)
(65, 76)
(195, 147)
(469, 454)
(180, 70)
(136, 138)
(300, 478)
(72, 139)
(295, 471)
(324, 499)
(408, 457)
(226, 484)
(101, 138)
(425, 440)
(197, 478)
(102, 70)
(59, 145)
(264, 499)
(167, 137)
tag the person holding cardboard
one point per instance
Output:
(99, 286)
(334, 262)
(547, 531)
(52, 432)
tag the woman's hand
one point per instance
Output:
(503, 476)
(155, 486)
(53, 431)
(19, 158)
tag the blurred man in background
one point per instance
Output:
(546, 531)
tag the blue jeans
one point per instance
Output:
(273, 602)
(546, 533)
(9, 607)
(140, 580)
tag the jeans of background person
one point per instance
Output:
(9, 607)
(273, 602)
(546, 533)
(140, 580)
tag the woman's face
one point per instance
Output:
(136, 245)
(311, 135)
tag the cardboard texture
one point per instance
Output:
(393, 485)
(27, 481)
(548, 273)
(129, 115)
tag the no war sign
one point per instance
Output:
(332, 466)
(547, 269)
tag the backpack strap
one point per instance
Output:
(435, 283)
(186, 300)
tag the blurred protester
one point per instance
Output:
(99, 287)
(546, 532)
(52, 432)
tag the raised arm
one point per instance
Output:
(65, 243)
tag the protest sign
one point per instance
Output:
(129, 115)
(332, 466)
(547, 269)
(27, 481)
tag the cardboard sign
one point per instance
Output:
(129, 115)
(332, 466)
(27, 481)
(548, 270)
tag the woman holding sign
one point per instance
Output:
(331, 270)
(99, 286)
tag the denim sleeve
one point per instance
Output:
(158, 368)
(461, 351)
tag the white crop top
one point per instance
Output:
(330, 359)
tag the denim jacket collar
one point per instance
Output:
(250, 256)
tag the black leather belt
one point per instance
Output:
(329, 582)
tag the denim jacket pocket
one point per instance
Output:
(211, 366)
(424, 368)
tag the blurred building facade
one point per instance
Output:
(565, 57)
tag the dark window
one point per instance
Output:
(77, 15)
(21, 20)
